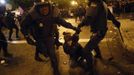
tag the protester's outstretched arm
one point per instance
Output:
(111, 17)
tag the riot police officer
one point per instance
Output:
(96, 17)
(39, 24)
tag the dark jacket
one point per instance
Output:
(40, 26)
(96, 17)
(10, 20)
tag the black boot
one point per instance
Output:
(8, 54)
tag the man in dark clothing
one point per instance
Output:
(11, 25)
(96, 17)
(39, 23)
(3, 41)
(81, 12)
(73, 49)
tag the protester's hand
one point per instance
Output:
(30, 41)
(117, 24)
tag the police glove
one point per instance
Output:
(117, 23)
(30, 41)
(78, 30)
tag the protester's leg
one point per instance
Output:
(88, 56)
(17, 32)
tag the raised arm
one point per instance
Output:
(111, 17)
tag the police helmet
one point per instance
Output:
(38, 6)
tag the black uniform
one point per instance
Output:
(11, 25)
(3, 41)
(41, 28)
(96, 17)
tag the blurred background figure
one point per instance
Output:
(10, 21)
(3, 41)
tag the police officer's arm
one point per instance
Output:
(111, 17)
(86, 21)
(25, 29)
(62, 22)
(91, 14)
(25, 25)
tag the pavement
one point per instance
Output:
(23, 62)
(127, 30)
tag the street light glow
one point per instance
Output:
(2, 1)
(74, 3)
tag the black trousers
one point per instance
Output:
(47, 47)
(11, 31)
(3, 43)
(93, 45)
(56, 35)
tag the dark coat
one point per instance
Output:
(41, 26)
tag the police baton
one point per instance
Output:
(120, 35)
(123, 42)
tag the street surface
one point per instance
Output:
(23, 62)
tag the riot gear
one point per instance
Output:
(43, 8)
(96, 17)
(41, 29)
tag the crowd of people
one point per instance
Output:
(122, 6)
(39, 27)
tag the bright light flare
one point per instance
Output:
(2, 2)
(74, 3)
